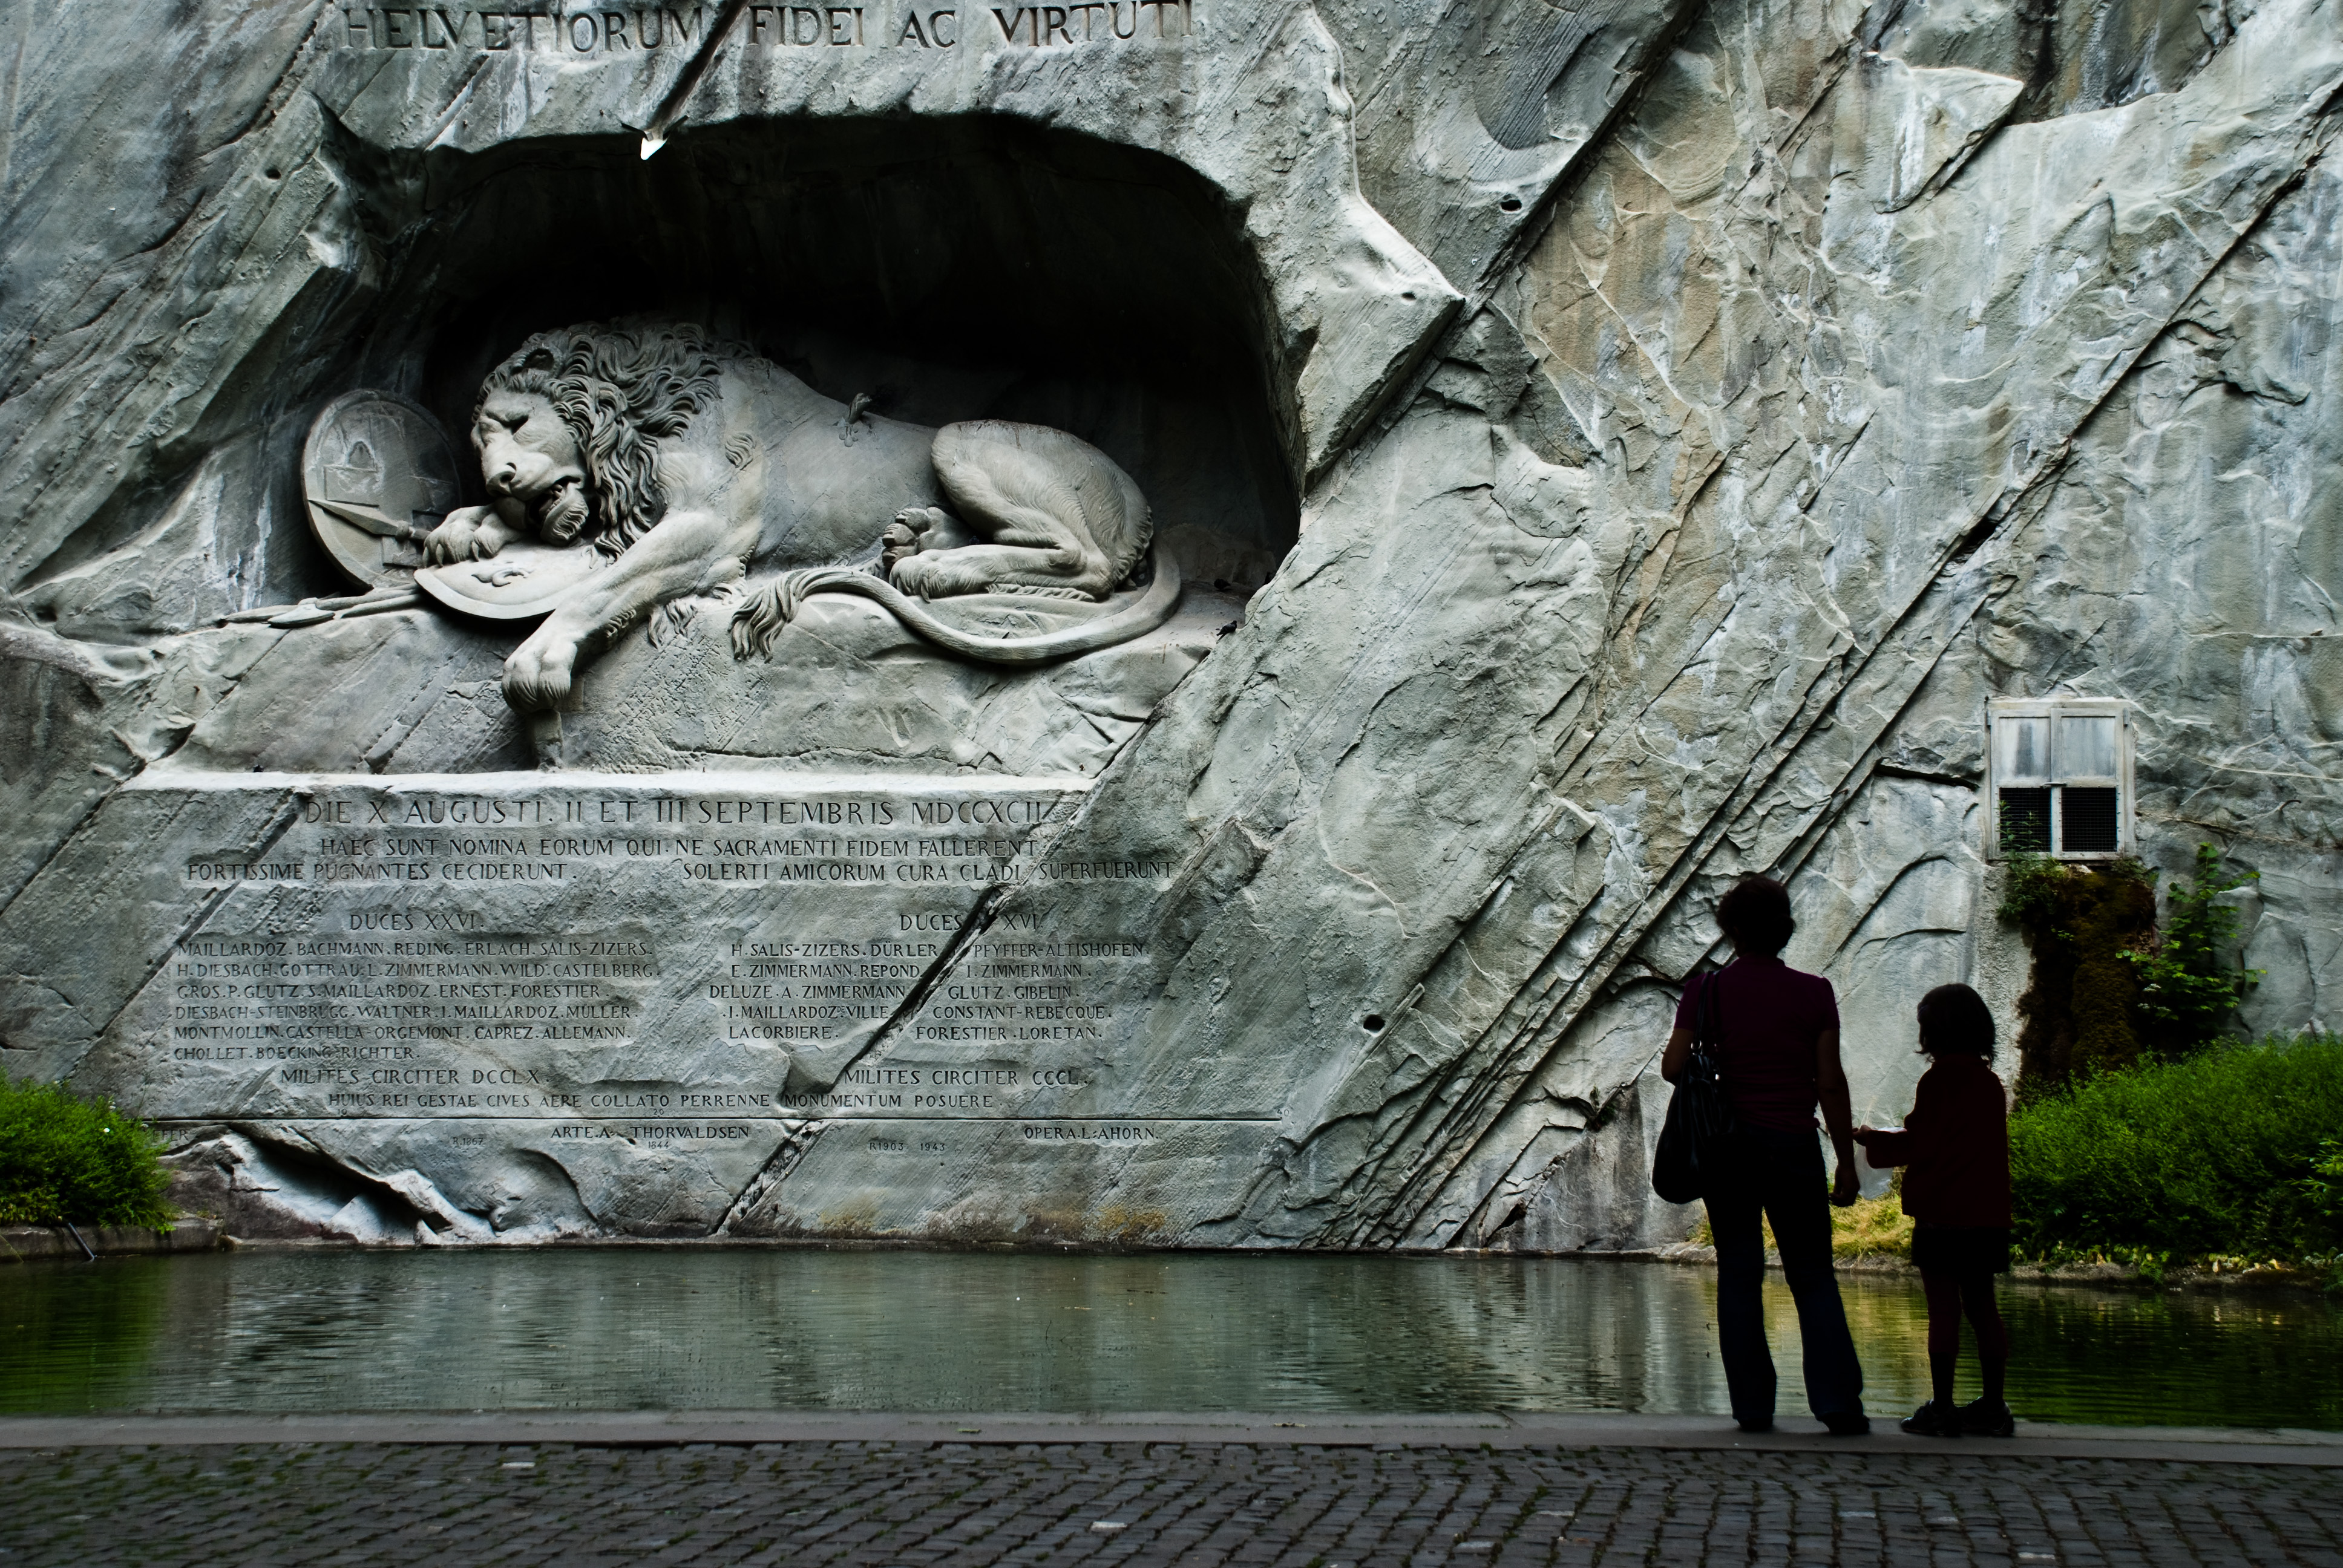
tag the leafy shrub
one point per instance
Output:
(2216, 1154)
(2187, 987)
(2108, 986)
(2325, 1186)
(62, 1158)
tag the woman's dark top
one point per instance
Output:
(1769, 1017)
(1954, 1146)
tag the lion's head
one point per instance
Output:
(570, 425)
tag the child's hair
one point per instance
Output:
(1954, 1018)
(1756, 913)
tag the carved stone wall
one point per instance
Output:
(1607, 450)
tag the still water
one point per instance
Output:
(641, 1329)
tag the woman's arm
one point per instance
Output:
(1838, 1114)
(1672, 1061)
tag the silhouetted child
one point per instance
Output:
(1954, 1147)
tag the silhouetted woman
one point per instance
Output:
(1777, 1053)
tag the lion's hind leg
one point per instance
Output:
(1049, 505)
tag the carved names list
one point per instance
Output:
(411, 995)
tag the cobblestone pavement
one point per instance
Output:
(1190, 1503)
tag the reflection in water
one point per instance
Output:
(640, 1329)
(67, 1330)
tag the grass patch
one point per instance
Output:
(64, 1158)
(1870, 1228)
(2228, 1154)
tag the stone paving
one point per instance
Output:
(1188, 1502)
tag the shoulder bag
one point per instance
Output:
(1700, 1116)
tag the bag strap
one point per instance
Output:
(1710, 1044)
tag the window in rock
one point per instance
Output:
(2059, 776)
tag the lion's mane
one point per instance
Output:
(619, 392)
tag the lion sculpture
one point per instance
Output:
(686, 463)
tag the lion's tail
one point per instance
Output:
(765, 611)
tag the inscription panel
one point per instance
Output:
(636, 32)
(648, 960)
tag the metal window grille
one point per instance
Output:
(2086, 822)
(2025, 821)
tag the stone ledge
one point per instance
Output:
(23, 1243)
(659, 1429)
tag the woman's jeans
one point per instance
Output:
(1780, 1173)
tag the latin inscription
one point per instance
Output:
(625, 32)
(398, 842)
(443, 961)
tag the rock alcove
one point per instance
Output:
(930, 273)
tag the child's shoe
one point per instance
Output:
(1984, 1420)
(1934, 1419)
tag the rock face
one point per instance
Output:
(1603, 452)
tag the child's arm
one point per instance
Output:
(1884, 1148)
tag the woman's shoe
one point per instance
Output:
(1847, 1423)
(1985, 1420)
(1934, 1419)
(1765, 1425)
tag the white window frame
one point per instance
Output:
(2054, 709)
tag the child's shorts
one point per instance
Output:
(1960, 1249)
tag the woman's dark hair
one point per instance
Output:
(1756, 913)
(1954, 1018)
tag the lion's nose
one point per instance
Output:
(501, 481)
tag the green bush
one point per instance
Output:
(62, 1158)
(2219, 1155)
(2325, 1186)
(2188, 987)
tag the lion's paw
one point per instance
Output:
(538, 676)
(934, 575)
(460, 538)
(895, 546)
(914, 531)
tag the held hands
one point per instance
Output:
(1848, 1185)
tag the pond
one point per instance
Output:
(682, 1329)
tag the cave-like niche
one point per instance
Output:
(950, 269)
(942, 270)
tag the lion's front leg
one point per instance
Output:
(539, 673)
(688, 551)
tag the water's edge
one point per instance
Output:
(31, 1243)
